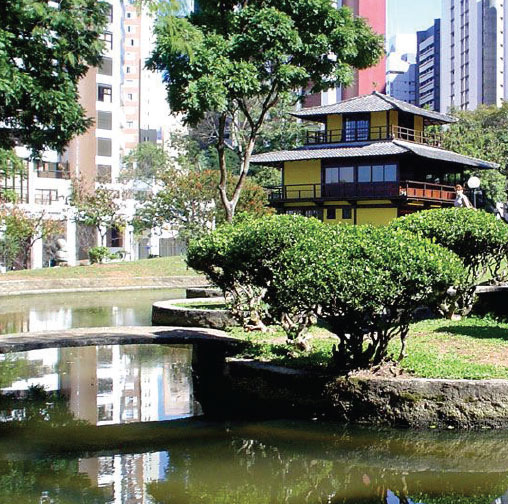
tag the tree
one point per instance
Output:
(483, 133)
(45, 49)
(246, 57)
(187, 202)
(101, 209)
(20, 230)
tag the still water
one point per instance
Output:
(123, 424)
(80, 309)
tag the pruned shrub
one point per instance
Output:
(241, 260)
(98, 255)
(478, 238)
(365, 282)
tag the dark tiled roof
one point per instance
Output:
(373, 149)
(375, 102)
(444, 155)
(393, 147)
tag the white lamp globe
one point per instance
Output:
(473, 183)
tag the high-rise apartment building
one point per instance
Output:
(401, 68)
(128, 105)
(365, 81)
(473, 53)
(428, 60)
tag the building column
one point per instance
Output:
(71, 241)
(36, 259)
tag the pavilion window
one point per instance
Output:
(357, 128)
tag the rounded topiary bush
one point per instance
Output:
(477, 237)
(366, 283)
(242, 258)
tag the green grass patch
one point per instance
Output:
(159, 267)
(472, 348)
(199, 305)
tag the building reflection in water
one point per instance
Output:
(116, 384)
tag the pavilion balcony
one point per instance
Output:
(406, 190)
(373, 133)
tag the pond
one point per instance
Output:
(124, 424)
(81, 309)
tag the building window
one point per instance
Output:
(331, 213)
(106, 67)
(104, 120)
(130, 124)
(103, 173)
(129, 96)
(357, 128)
(46, 196)
(342, 175)
(377, 173)
(104, 147)
(128, 69)
(347, 214)
(108, 39)
(104, 93)
(109, 13)
(132, 42)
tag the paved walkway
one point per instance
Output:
(46, 286)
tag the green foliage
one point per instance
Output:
(45, 49)
(98, 255)
(247, 58)
(99, 208)
(482, 134)
(478, 238)
(364, 282)
(144, 163)
(188, 202)
(20, 230)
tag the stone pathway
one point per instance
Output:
(112, 336)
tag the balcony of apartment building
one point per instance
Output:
(46, 169)
(366, 133)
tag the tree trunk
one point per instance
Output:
(230, 204)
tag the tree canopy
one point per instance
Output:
(483, 133)
(45, 49)
(248, 56)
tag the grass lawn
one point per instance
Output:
(474, 348)
(160, 267)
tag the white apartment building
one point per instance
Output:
(473, 53)
(128, 104)
(401, 68)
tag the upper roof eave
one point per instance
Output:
(375, 102)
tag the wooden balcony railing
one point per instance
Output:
(409, 189)
(367, 134)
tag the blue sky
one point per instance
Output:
(409, 16)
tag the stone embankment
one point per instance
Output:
(168, 313)
(50, 285)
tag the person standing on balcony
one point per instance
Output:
(461, 200)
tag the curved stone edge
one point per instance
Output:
(202, 292)
(397, 402)
(92, 336)
(166, 313)
(492, 299)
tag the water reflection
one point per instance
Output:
(102, 385)
(89, 309)
(261, 463)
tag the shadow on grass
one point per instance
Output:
(283, 355)
(476, 332)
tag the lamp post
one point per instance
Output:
(473, 183)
